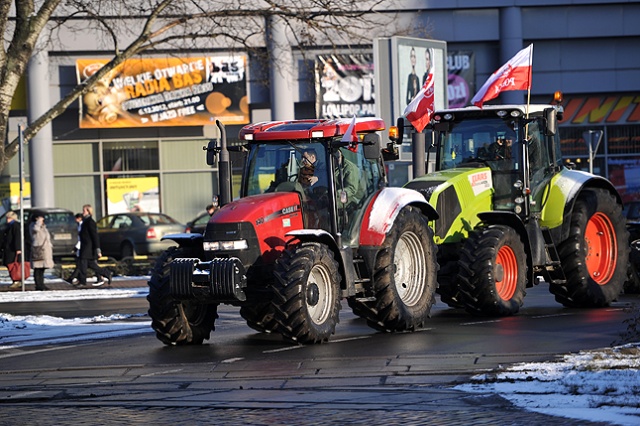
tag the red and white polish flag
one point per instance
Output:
(421, 107)
(514, 75)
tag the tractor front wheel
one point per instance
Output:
(307, 293)
(405, 277)
(176, 322)
(595, 255)
(259, 316)
(493, 271)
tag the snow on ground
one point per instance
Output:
(600, 385)
(31, 330)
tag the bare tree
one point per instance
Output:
(127, 28)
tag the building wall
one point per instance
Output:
(583, 48)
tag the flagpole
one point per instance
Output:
(526, 131)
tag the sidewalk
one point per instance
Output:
(55, 283)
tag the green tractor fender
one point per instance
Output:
(560, 197)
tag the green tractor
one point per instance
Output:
(512, 215)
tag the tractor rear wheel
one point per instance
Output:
(176, 322)
(405, 276)
(595, 254)
(493, 271)
(307, 293)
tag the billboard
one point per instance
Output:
(151, 92)
(345, 86)
(461, 78)
(401, 65)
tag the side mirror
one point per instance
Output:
(371, 145)
(551, 119)
(211, 148)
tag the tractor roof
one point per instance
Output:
(534, 109)
(307, 129)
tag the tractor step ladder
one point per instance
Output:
(554, 266)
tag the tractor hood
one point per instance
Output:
(267, 216)
(458, 195)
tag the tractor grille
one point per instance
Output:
(234, 231)
(448, 208)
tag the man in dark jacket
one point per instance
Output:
(90, 249)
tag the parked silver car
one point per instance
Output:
(129, 234)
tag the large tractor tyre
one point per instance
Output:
(493, 272)
(307, 293)
(260, 316)
(405, 276)
(175, 322)
(595, 254)
(448, 288)
(632, 284)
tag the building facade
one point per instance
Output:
(588, 50)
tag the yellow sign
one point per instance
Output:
(133, 194)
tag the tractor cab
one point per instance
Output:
(517, 149)
(334, 179)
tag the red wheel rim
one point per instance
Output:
(602, 248)
(507, 281)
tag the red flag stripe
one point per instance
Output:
(514, 75)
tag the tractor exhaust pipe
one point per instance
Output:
(224, 167)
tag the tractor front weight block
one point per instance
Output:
(219, 280)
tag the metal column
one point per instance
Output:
(280, 69)
(41, 145)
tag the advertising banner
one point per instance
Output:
(461, 85)
(151, 92)
(133, 195)
(345, 86)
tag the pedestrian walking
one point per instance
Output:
(73, 278)
(41, 249)
(11, 244)
(90, 250)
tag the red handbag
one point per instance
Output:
(15, 270)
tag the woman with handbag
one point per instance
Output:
(41, 249)
(11, 247)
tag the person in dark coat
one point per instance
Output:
(90, 249)
(11, 243)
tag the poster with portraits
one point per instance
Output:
(345, 85)
(150, 92)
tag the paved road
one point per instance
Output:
(243, 377)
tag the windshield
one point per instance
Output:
(282, 166)
(484, 139)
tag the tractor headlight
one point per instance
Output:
(225, 245)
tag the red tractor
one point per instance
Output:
(315, 223)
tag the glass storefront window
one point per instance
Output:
(573, 144)
(624, 173)
(130, 155)
(623, 139)
(76, 157)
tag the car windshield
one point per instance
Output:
(156, 219)
(59, 218)
(202, 220)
